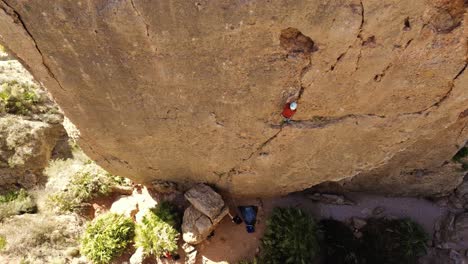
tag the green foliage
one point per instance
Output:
(3, 242)
(89, 183)
(107, 237)
(290, 237)
(2, 49)
(158, 233)
(16, 202)
(461, 157)
(340, 246)
(393, 241)
(254, 261)
(19, 98)
(13, 195)
(463, 152)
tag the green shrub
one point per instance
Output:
(16, 202)
(157, 233)
(461, 157)
(13, 195)
(339, 244)
(462, 153)
(393, 241)
(107, 237)
(19, 98)
(290, 237)
(3, 242)
(84, 185)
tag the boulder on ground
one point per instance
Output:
(125, 205)
(196, 226)
(330, 199)
(25, 149)
(205, 200)
(138, 257)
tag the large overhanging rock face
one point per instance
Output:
(192, 90)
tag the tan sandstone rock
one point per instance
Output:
(184, 92)
(25, 149)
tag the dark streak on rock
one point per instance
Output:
(17, 18)
(142, 18)
(443, 98)
(322, 121)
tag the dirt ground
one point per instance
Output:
(231, 243)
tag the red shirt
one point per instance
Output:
(287, 112)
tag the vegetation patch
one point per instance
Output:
(107, 237)
(339, 245)
(3, 242)
(290, 237)
(84, 185)
(16, 202)
(461, 157)
(393, 241)
(39, 238)
(20, 98)
(158, 233)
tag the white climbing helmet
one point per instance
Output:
(293, 106)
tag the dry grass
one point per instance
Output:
(40, 238)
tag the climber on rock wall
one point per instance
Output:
(289, 110)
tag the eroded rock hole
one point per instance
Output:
(369, 42)
(292, 40)
(407, 25)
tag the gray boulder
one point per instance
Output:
(196, 226)
(205, 200)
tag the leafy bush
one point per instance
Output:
(107, 237)
(290, 237)
(157, 233)
(16, 202)
(13, 195)
(19, 98)
(340, 246)
(393, 241)
(461, 157)
(91, 182)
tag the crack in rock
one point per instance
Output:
(378, 77)
(264, 144)
(18, 20)
(443, 98)
(142, 18)
(304, 71)
(340, 57)
(323, 121)
(333, 66)
(359, 36)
